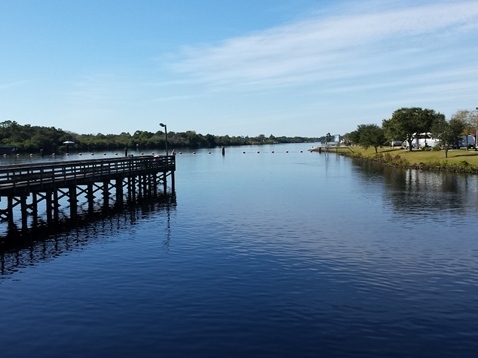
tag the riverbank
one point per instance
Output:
(459, 160)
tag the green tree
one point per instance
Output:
(405, 122)
(211, 140)
(370, 135)
(194, 140)
(470, 120)
(353, 137)
(448, 132)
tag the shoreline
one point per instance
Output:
(458, 161)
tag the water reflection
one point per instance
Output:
(44, 246)
(415, 192)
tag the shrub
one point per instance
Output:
(388, 158)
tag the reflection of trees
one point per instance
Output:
(413, 191)
(23, 253)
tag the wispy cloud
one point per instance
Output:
(173, 98)
(4, 86)
(352, 44)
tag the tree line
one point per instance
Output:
(32, 139)
(405, 123)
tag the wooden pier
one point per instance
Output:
(46, 193)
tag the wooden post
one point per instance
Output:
(173, 184)
(106, 195)
(140, 186)
(10, 211)
(90, 196)
(23, 206)
(73, 202)
(132, 189)
(34, 209)
(154, 185)
(165, 183)
(49, 208)
(56, 207)
(119, 191)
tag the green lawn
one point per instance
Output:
(457, 158)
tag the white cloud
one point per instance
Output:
(348, 45)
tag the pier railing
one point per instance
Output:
(23, 178)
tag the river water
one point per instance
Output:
(268, 251)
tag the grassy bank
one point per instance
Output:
(459, 160)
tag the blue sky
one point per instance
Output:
(237, 67)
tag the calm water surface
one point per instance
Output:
(265, 252)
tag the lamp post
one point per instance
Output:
(476, 134)
(166, 132)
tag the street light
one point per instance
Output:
(166, 132)
(476, 135)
